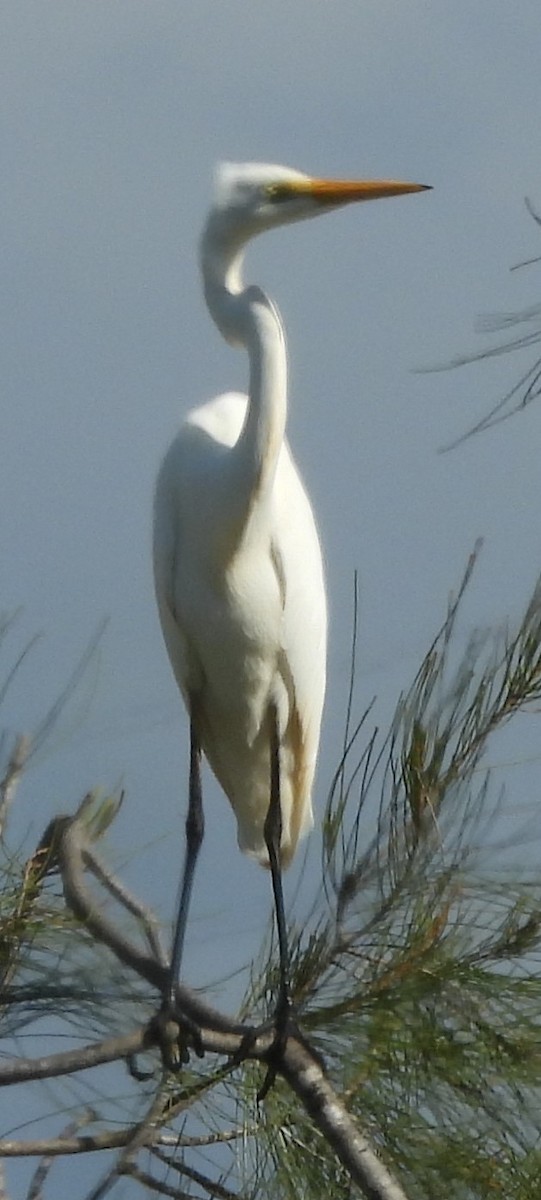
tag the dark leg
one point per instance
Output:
(273, 837)
(195, 828)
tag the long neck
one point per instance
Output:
(246, 317)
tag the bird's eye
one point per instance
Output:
(277, 192)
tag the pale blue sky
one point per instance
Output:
(112, 115)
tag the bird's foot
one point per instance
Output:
(176, 1036)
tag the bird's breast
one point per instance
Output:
(232, 622)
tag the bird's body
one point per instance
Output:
(238, 569)
(244, 621)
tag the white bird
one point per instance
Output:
(238, 565)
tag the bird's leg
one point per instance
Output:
(273, 838)
(195, 828)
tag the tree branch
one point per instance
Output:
(95, 1054)
(35, 1191)
(106, 1140)
(68, 842)
(134, 906)
(212, 1186)
(352, 1146)
(219, 1034)
(156, 1186)
(83, 1143)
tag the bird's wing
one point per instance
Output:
(165, 554)
(299, 569)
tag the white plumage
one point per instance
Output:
(238, 569)
(244, 619)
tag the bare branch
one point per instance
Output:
(88, 1143)
(67, 846)
(106, 1183)
(156, 1186)
(85, 1143)
(206, 1139)
(35, 1191)
(144, 1132)
(95, 1054)
(130, 902)
(141, 1134)
(212, 1186)
(351, 1145)
(4, 1194)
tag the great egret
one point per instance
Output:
(238, 568)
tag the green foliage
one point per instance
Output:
(528, 324)
(421, 982)
(417, 976)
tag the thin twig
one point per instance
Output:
(35, 1191)
(212, 1186)
(134, 906)
(140, 1135)
(206, 1139)
(155, 1185)
(13, 772)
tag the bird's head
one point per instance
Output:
(252, 197)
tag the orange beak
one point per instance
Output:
(344, 191)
